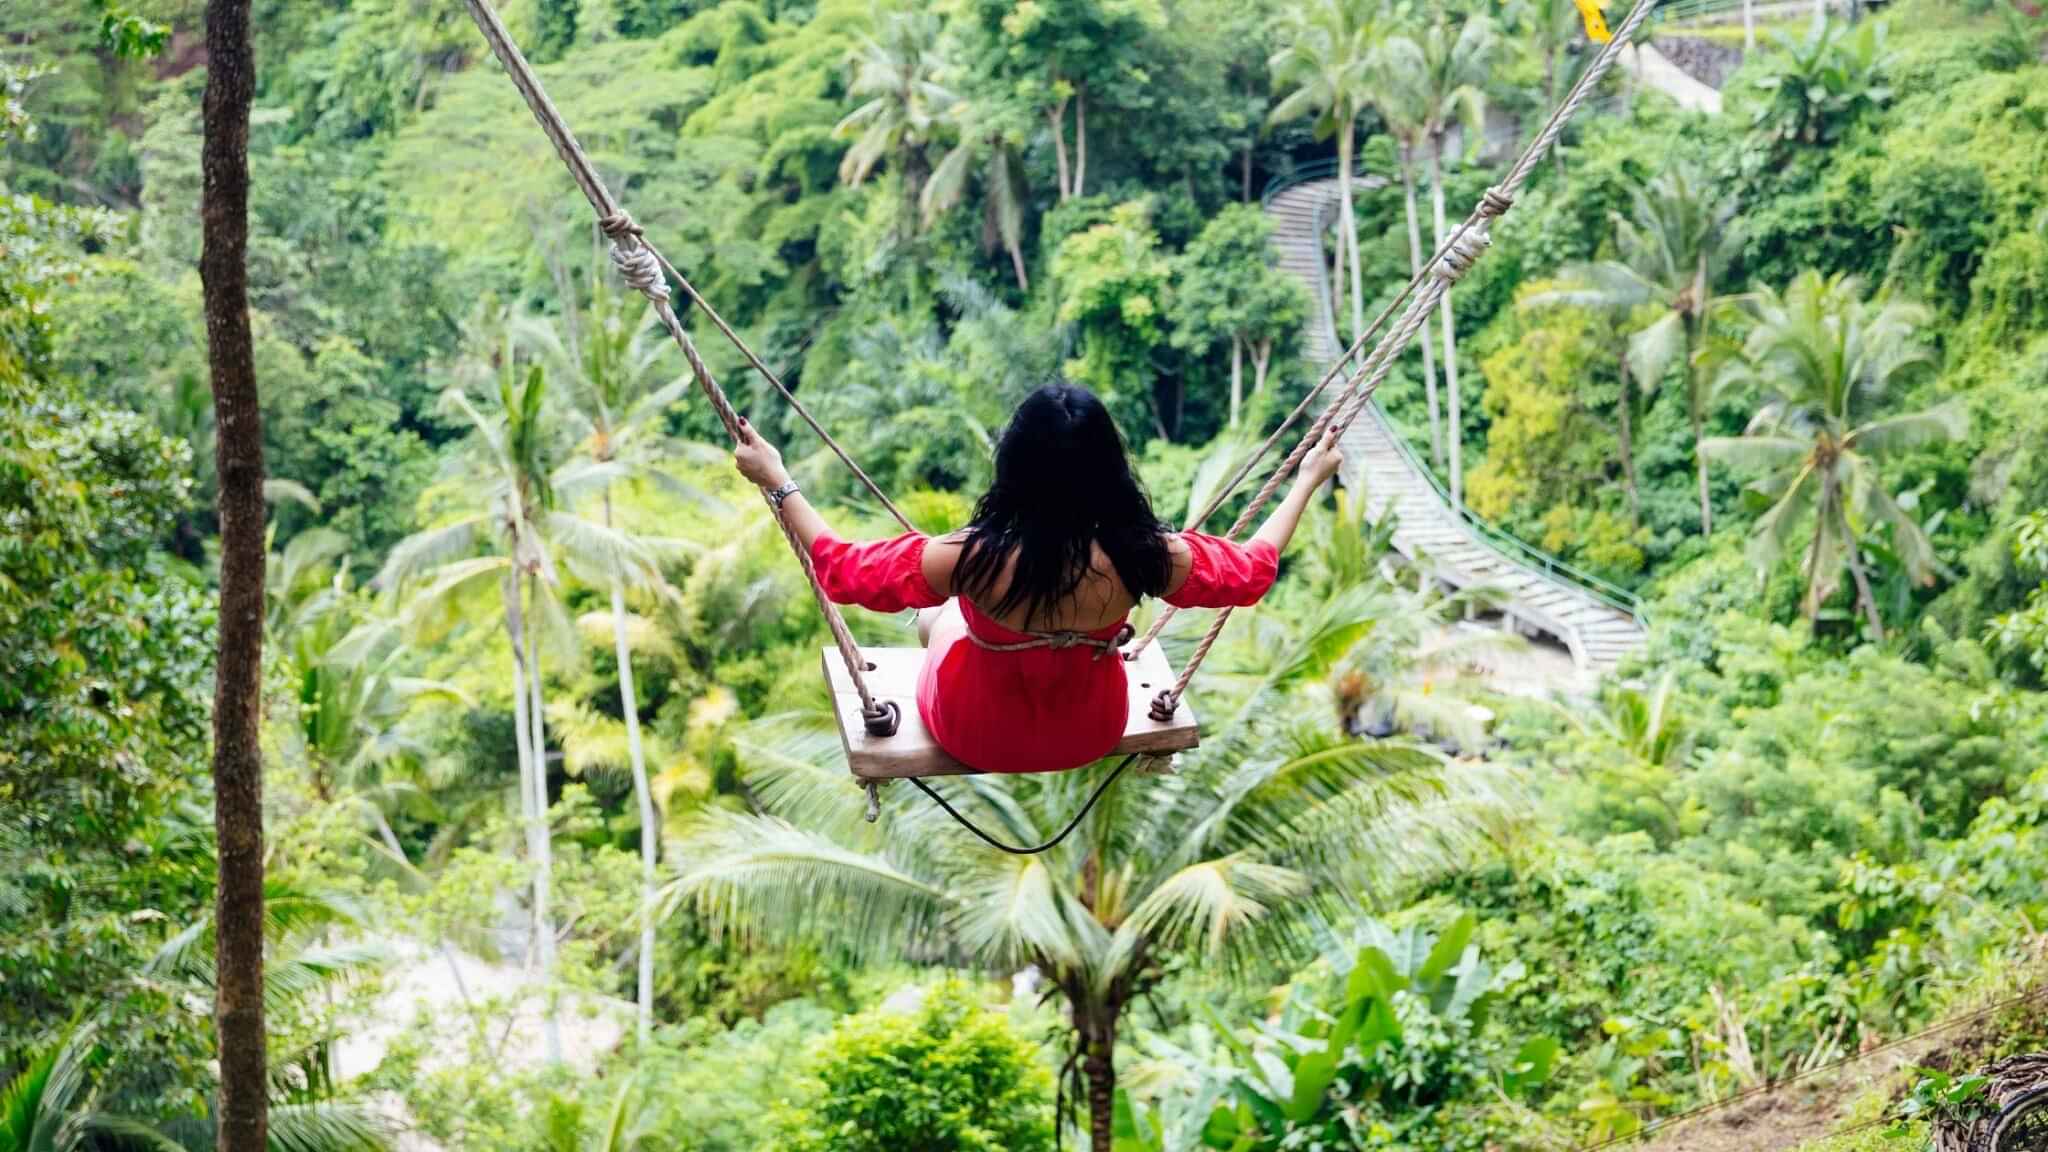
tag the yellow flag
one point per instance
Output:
(1596, 22)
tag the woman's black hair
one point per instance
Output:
(1063, 485)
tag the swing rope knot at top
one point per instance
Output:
(1495, 202)
(1463, 251)
(1164, 706)
(638, 266)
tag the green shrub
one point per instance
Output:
(954, 1076)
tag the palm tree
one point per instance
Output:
(618, 408)
(1279, 820)
(1004, 191)
(508, 508)
(1669, 250)
(1406, 129)
(1437, 81)
(897, 72)
(1821, 351)
(1327, 70)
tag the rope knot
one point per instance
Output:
(1164, 706)
(883, 719)
(1495, 202)
(638, 266)
(1464, 251)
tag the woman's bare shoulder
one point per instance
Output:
(941, 556)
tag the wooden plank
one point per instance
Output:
(892, 677)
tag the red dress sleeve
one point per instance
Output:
(1225, 575)
(882, 575)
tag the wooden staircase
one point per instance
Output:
(1597, 623)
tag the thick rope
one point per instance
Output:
(1453, 258)
(1035, 849)
(644, 270)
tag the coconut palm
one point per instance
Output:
(897, 73)
(1823, 355)
(1004, 192)
(1327, 71)
(1437, 81)
(1669, 252)
(618, 405)
(1406, 128)
(508, 512)
(1278, 821)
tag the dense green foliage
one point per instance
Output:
(545, 729)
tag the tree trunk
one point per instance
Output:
(243, 1122)
(1436, 433)
(1246, 168)
(1854, 553)
(1693, 400)
(1748, 27)
(643, 792)
(1098, 1067)
(544, 859)
(1628, 454)
(1058, 115)
(1454, 430)
(1080, 139)
(1349, 236)
(1017, 265)
(1236, 377)
(1262, 359)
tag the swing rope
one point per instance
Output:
(1452, 259)
(646, 270)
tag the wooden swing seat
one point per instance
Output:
(892, 678)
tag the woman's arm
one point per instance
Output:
(761, 462)
(1322, 462)
(908, 571)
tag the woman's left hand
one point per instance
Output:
(757, 459)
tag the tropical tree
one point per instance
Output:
(897, 72)
(1327, 70)
(507, 510)
(618, 406)
(1228, 286)
(1814, 87)
(1668, 254)
(238, 654)
(1437, 81)
(1279, 821)
(1403, 121)
(1113, 284)
(1618, 314)
(1823, 355)
(984, 142)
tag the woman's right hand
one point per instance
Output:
(1323, 461)
(757, 459)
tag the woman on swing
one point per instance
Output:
(1023, 610)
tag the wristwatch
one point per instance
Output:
(777, 495)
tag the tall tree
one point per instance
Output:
(1228, 287)
(1280, 821)
(618, 405)
(1327, 70)
(1441, 80)
(985, 143)
(896, 73)
(1820, 352)
(1668, 253)
(1618, 313)
(507, 535)
(1404, 124)
(243, 1113)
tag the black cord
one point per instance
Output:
(1013, 849)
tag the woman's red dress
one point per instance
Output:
(1036, 710)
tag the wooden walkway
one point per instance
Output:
(1598, 626)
